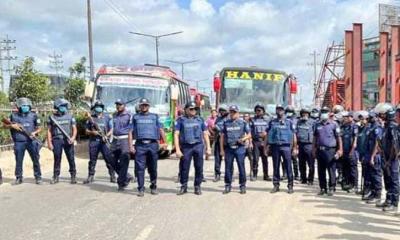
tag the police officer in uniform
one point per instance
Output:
(249, 147)
(291, 115)
(314, 114)
(190, 135)
(122, 145)
(58, 142)
(219, 123)
(305, 137)
(281, 139)
(327, 148)
(258, 126)
(349, 134)
(25, 120)
(391, 150)
(147, 130)
(362, 150)
(97, 143)
(234, 134)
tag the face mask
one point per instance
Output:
(62, 109)
(289, 114)
(324, 116)
(98, 109)
(25, 109)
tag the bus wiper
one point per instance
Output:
(132, 100)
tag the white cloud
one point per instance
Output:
(202, 8)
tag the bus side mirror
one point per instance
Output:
(174, 92)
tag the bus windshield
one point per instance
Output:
(128, 87)
(247, 90)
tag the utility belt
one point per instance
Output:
(234, 146)
(120, 137)
(323, 148)
(145, 141)
(258, 139)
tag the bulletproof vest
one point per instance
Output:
(146, 126)
(347, 136)
(280, 133)
(235, 129)
(258, 126)
(121, 123)
(64, 121)
(191, 132)
(372, 136)
(389, 140)
(219, 123)
(27, 121)
(362, 139)
(102, 123)
(305, 131)
(325, 134)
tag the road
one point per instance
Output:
(98, 211)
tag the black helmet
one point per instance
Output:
(337, 109)
(279, 106)
(190, 104)
(98, 103)
(325, 109)
(222, 107)
(61, 102)
(23, 102)
(305, 110)
(260, 106)
(144, 101)
(289, 109)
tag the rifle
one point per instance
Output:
(7, 121)
(61, 129)
(100, 132)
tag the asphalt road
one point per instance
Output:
(98, 211)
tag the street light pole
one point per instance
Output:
(182, 65)
(157, 39)
(90, 40)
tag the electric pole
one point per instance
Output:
(314, 64)
(56, 62)
(90, 40)
(6, 45)
(182, 65)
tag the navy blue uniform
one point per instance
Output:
(362, 138)
(30, 122)
(374, 172)
(280, 138)
(219, 124)
(349, 133)
(60, 142)
(305, 138)
(294, 158)
(325, 135)
(122, 125)
(146, 131)
(233, 131)
(191, 130)
(96, 144)
(258, 125)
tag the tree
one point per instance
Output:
(74, 90)
(30, 83)
(78, 69)
(4, 99)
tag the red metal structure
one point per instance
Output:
(348, 70)
(357, 96)
(383, 65)
(394, 78)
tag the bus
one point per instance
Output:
(247, 86)
(202, 100)
(148, 81)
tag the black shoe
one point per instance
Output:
(390, 208)
(182, 191)
(73, 180)
(153, 191)
(227, 190)
(113, 179)
(275, 189)
(373, 200)
(39, 181)
(203, 180)
(90, 179)
(121, 188)
(303, 182)
(18, 181)
(217, 178)
(367, 196)
(55, 180)
(252, 178)
(129, 179)
(296, 178)
(267, 178)
(140, 193)
(243, 190)
(290, 190)
(197, 190)
(322, 192)
(330, 192)
(310, 183)
(383, 204)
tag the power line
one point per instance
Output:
(56, 62)
(6, 45)
(127, 20)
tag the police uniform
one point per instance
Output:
(349, 132)
(291, 115)
(305, 138)
(122, 126)
(146, 129)
(29, 122)
(97, 144)
(326, 133)
(60, 142)
(219, 124)
(191, 131)
(258, 125)
(361, 148)
(280, 138)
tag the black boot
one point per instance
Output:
(384, 204)
(373, 200)
(197, 190)
(140, 193)
(390, 208)
(227, 190)
(290, 190)
(38, 180)
(275, 189)
(73, 179)
(330, 192)
(243, 190)
(266, 177)
(217, 178)
(113, 179)
(90, 179)
(54, 180)
(153, 189)
(322, 192)
(182, 191)
(367, 195)
(18, 180)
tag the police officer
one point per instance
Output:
(291, 115)
(373, 159)
(391, 150)
(234, 134)
(349, 134)
(362, 151)
(61, 121)
(25, 125)
(314, 114)
(258, 126)
(249, 147)
(281, 139)
(122, 145)
(219, 123)
(327, 148)
(190, 135)
(147, 130)
(99, 129)
(305, 137)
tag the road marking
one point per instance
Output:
(144, 234)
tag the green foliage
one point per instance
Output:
(78, 69)
(4, 99)
(30, 83)
(81, 124)
(74, 90)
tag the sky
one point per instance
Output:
(275, 34)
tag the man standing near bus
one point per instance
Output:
(219, 123)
